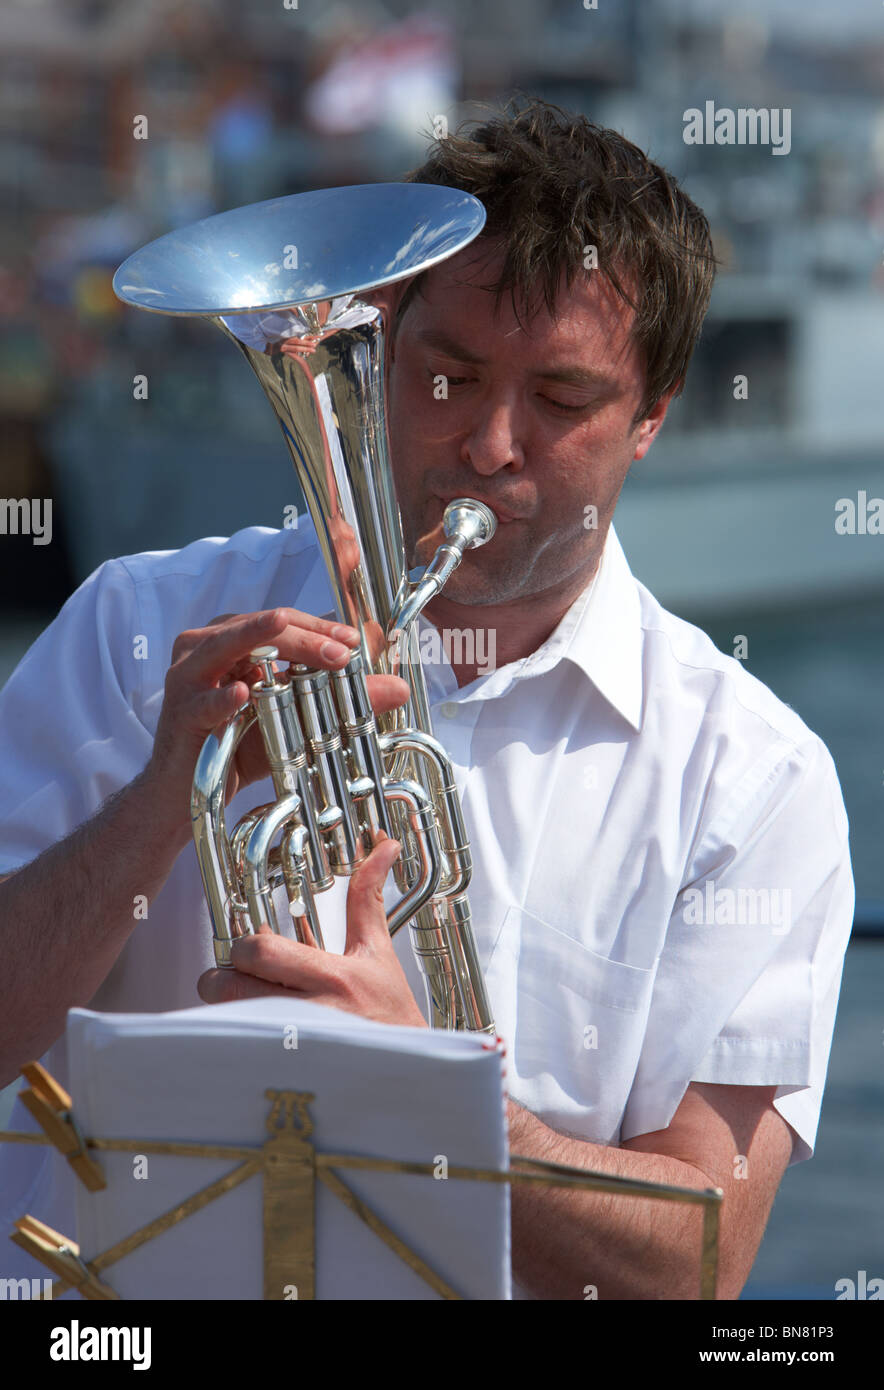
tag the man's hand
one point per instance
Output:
(210, 677)
(367, 979)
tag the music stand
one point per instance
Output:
(275, 1148)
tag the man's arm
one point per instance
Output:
(66, 916)
(566, 1241)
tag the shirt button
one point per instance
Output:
(448, 710)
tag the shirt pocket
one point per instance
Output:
(573, 1023)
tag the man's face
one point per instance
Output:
(537, 423)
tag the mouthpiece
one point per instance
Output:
(468, 523)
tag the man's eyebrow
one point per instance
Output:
(578, 376)
(568, 376)
(451, 348)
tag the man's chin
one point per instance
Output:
(473, 589)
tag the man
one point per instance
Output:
(662, 894)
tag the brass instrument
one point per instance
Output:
(291, 282)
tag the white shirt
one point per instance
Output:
(623, 766)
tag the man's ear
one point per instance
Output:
(649, 427)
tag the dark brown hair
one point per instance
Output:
(554, 184)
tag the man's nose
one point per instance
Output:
(494, 440)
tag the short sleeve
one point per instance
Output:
(70, 731)
(747, 984)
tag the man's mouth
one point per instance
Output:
(504, 517)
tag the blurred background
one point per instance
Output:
(119, 122)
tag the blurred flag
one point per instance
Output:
(398, 77)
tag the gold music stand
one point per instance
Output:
(289, 1167)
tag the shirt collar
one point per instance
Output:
(601, 633)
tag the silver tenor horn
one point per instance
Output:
(290, 281)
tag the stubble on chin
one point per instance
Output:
(495, 579)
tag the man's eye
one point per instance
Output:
(447, 377)
(566, 406)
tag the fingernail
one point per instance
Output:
(334, 651)
(345, 634)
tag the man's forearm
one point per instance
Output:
(65, 917)
(567, 1243)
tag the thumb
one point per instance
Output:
(366, 914)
